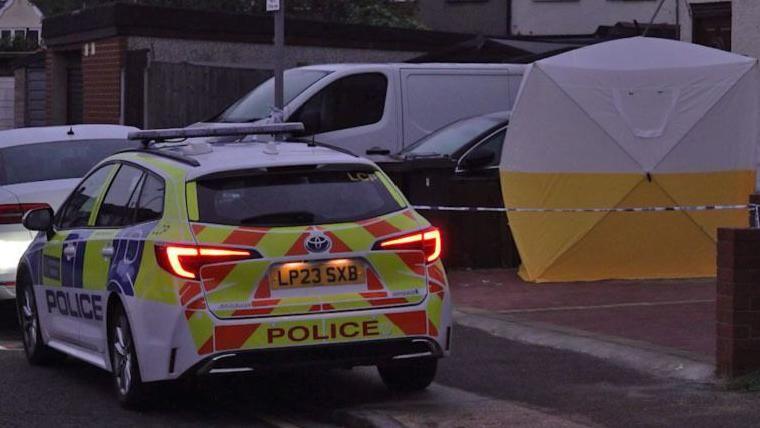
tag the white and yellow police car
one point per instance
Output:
(196, 258)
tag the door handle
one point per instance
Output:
(70, 251)
(107, 252)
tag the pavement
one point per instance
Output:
(674, 314)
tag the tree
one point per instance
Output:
(54, 7)
(384, 13)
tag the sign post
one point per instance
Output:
(278, 8)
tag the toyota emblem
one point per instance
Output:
(317, 242)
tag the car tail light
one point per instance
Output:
(428, 240)
(13, 213)
(8, 284)
(185, 261)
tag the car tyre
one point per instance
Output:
(37, 353)
(409, 376)
(126, 370)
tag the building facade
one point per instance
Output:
(577, 17)
(487, 17)
(20, 20)
(723, 24)
(20, 32)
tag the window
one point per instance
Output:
(62, 159)
(77, 209)
(454, 137)
(19, 34)
(347, 103)
(314, 196)
(151, 206)
(712, 25)
(488, 148)
(258, 103)
(118, 208)
(5, 34)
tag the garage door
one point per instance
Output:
(7, 85)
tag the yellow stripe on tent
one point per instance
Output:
(589, 246)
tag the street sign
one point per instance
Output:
(273, 5)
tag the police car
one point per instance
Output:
(197, 258)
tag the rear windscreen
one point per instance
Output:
(55, 161)
(294, 198)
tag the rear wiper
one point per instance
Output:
(282, 218)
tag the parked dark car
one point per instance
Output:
(458, 165)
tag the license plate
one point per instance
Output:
(318, 274)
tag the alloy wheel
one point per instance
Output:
(29, 320)
(122, 356)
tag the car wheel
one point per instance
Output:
(408, 376)
(37, 353)
(126, 370)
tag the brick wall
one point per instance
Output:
(738, 302)
(102, 81)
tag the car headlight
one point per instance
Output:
(10, 254)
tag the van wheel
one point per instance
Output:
(37, 353)
(408, 376)
(126, 370)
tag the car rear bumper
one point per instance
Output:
(331, 355)
(169, 351)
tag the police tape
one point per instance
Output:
(752, 207)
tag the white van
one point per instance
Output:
(375, 109)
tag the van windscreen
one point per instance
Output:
(258, 103)
(295, 197)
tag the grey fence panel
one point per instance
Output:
(182, 94)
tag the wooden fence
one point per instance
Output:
(168, 95)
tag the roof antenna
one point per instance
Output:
(71, 131)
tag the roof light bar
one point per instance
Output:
(226, 131)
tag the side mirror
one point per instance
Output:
(378, 151)
(39, 220)
(478, 159)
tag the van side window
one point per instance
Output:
(350, 102)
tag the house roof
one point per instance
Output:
(122, 19)
(501, 49)
(5, 4)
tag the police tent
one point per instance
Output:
(601, 132)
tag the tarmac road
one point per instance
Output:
(488, 382)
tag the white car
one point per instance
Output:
(40, 167)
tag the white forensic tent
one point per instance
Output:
(632, 123)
